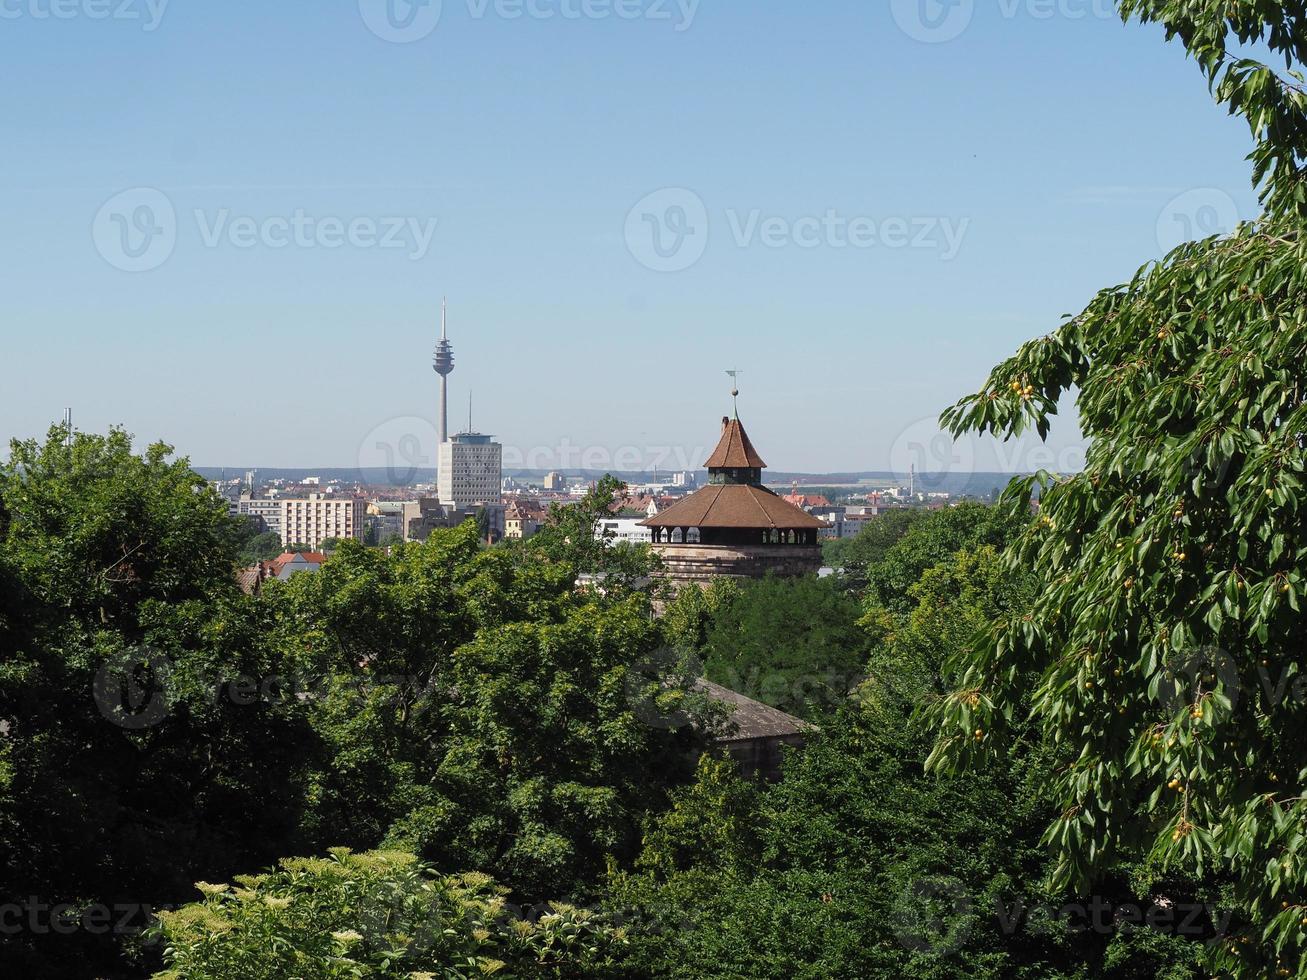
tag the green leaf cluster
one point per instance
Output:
(376, 915)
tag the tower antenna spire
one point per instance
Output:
(735, 391)
(442, 362)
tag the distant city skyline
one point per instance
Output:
(243, 254)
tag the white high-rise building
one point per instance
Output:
(313, 519)
(470, 470)
(263, 509)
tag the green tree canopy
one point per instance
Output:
(571, 534)
(853, 555)
(159, 725)
(1162, 653)
(481, 710)
(379, 914)
(121, 776)
(793, 643)
(859, 864)
(931, 539)
(259, 545)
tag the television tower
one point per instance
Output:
(442, 362)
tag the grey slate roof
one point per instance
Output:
(752, 719)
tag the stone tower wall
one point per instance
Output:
(700, 564)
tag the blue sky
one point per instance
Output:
(520, 160)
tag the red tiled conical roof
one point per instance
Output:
(734, 449)
(733, 505)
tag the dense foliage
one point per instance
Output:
(377, 915)
(858, 864)
(476, 712)
(570, 535)
(468, 704)
(119, 571)
(1164, 651)
(931, 540)
(851, 556)
(794, 644)
(256, 545)
(479, 709)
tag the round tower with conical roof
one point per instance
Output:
(734, 526)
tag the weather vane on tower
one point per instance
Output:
(735, 391)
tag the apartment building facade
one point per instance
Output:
(313, 519)
(470, 470)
